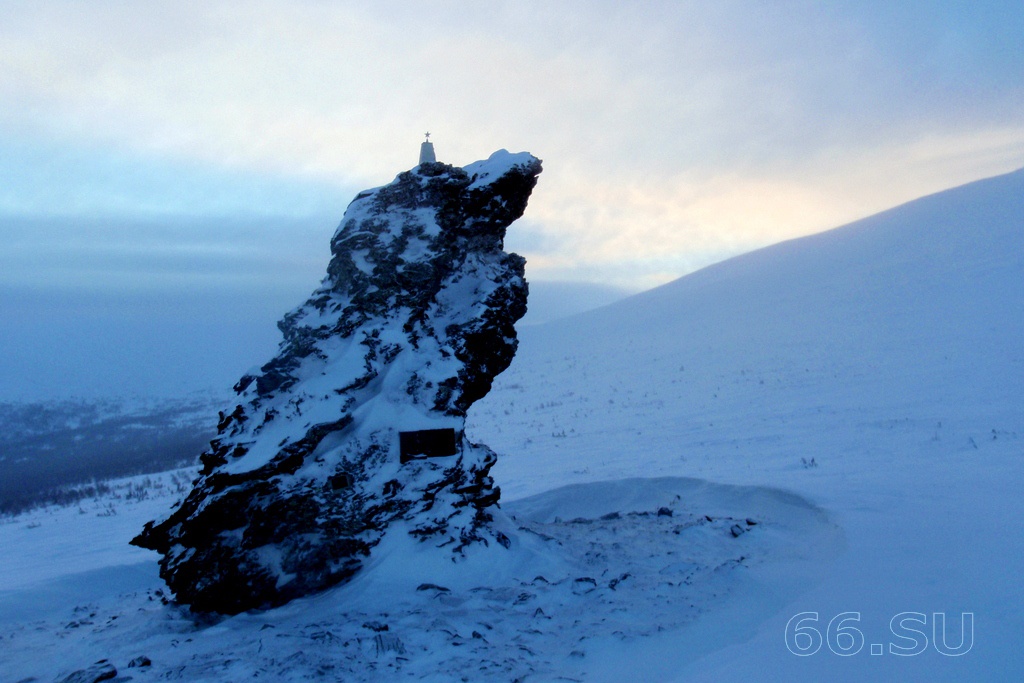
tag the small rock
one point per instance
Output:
(432, 587)
(323, 636)
(616, 581)
(751, 522)
(102, 670)
(736, 530)
(583, 585)
(140, 661)
(523, 597)
(611, 516)
(375, 626)
(664, 512)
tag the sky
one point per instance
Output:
(211, 147)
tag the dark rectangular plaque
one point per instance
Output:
(427, 443)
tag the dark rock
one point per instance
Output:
(140, 661)
(736, 530)
(432, 587)
(410, 326)
(618, 579)
(664, 512)
(102, 670)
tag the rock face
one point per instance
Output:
(357, 424)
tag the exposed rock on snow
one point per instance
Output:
(102, 670)
(359, 420)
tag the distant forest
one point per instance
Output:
(58, 452)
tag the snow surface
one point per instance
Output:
(835, 424)
(593, 566)
(500, 162)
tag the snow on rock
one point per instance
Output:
(359, 420)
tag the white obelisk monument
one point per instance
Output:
(427, 151)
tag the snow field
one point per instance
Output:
(590, 565)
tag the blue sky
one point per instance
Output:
(212, 146)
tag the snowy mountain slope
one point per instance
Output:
(921, 292)
(855, 393)
(876, 368)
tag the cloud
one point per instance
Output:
(673, 133)
(168, 253)
(67, 178)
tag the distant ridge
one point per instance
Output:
(976, 225)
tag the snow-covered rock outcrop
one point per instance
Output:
(357, 424)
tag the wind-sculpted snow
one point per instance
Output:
(327, 444)
(595, 568)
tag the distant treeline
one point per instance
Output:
(57, 452)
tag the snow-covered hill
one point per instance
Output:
(833, 425)
(917, 312)
(877, 369)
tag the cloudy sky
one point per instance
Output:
(210, 144)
